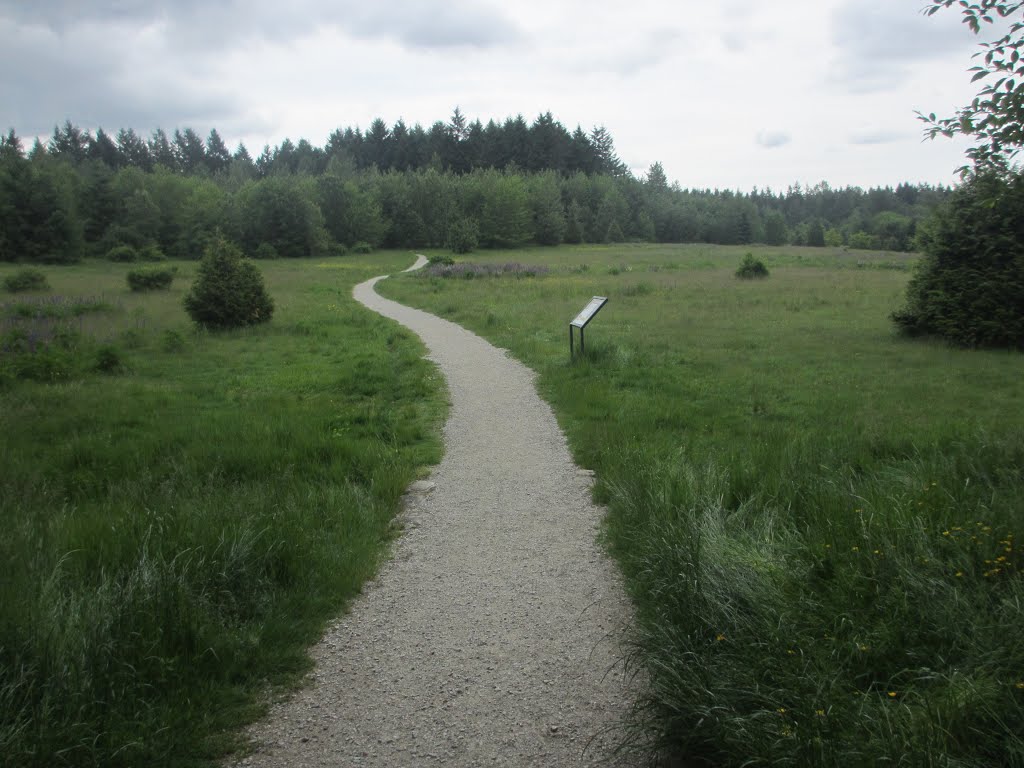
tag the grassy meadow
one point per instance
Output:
(183, 511)
(821, 522)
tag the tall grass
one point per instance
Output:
(820, 522)
(177, 534)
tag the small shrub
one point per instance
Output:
(150, 279)
(265, 251)
(122, 253)
(463, 236)
(228, 291)
(362, 247)
(751, 268)
(108, 359)
(26, 280)
(446, 261)
(152, 252)
(337, 250)
(173, 341)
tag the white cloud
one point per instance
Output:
(687, 84)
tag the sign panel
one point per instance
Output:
(589, 311)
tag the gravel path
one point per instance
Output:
(492, 637)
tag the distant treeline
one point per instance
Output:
(508, 184)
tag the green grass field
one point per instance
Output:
(820, 521)
(182, 511)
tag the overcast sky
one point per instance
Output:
(724, 94)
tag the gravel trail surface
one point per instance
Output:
(492, 636)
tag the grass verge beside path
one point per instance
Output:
(180, 523)
(820, 522)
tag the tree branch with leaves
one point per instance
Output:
(995, 119)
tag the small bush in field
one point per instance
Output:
(446, 261)
(150, 279)
(122, 253)
(108, 359)
(173, 341)
(751, 268)
(265, 251)
(228, 291)
(152, 252)
(362, 248)
(26, 280)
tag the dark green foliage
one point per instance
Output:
(969, 288)
(122, 253)
(751, 268)
(108, 359)
(265, 251)
(400, 187)
(614, 233)
(26, 280)
(463, 236)
(228, 291)
(150, 279)
(172, 341)
(816, 234)
(280, 211)
(152, 252)
(445, 261)
(362, 248)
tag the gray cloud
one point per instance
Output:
(877, 41)
(411, 23)
(772, 139)
(51, 78)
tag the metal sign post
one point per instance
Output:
(581, 320)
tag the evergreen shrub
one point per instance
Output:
(969, 287)
(228, 291)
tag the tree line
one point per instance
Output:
(89, 194)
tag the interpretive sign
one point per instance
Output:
(589, 311)
(584, 317)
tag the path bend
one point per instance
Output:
(492, 636)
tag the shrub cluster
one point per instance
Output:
(751, 268)
(150, 279)
(123, 253)
(26, 280)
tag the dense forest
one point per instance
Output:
(460, 184)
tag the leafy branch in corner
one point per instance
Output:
(996, 116)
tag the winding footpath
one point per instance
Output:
(492, 636)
